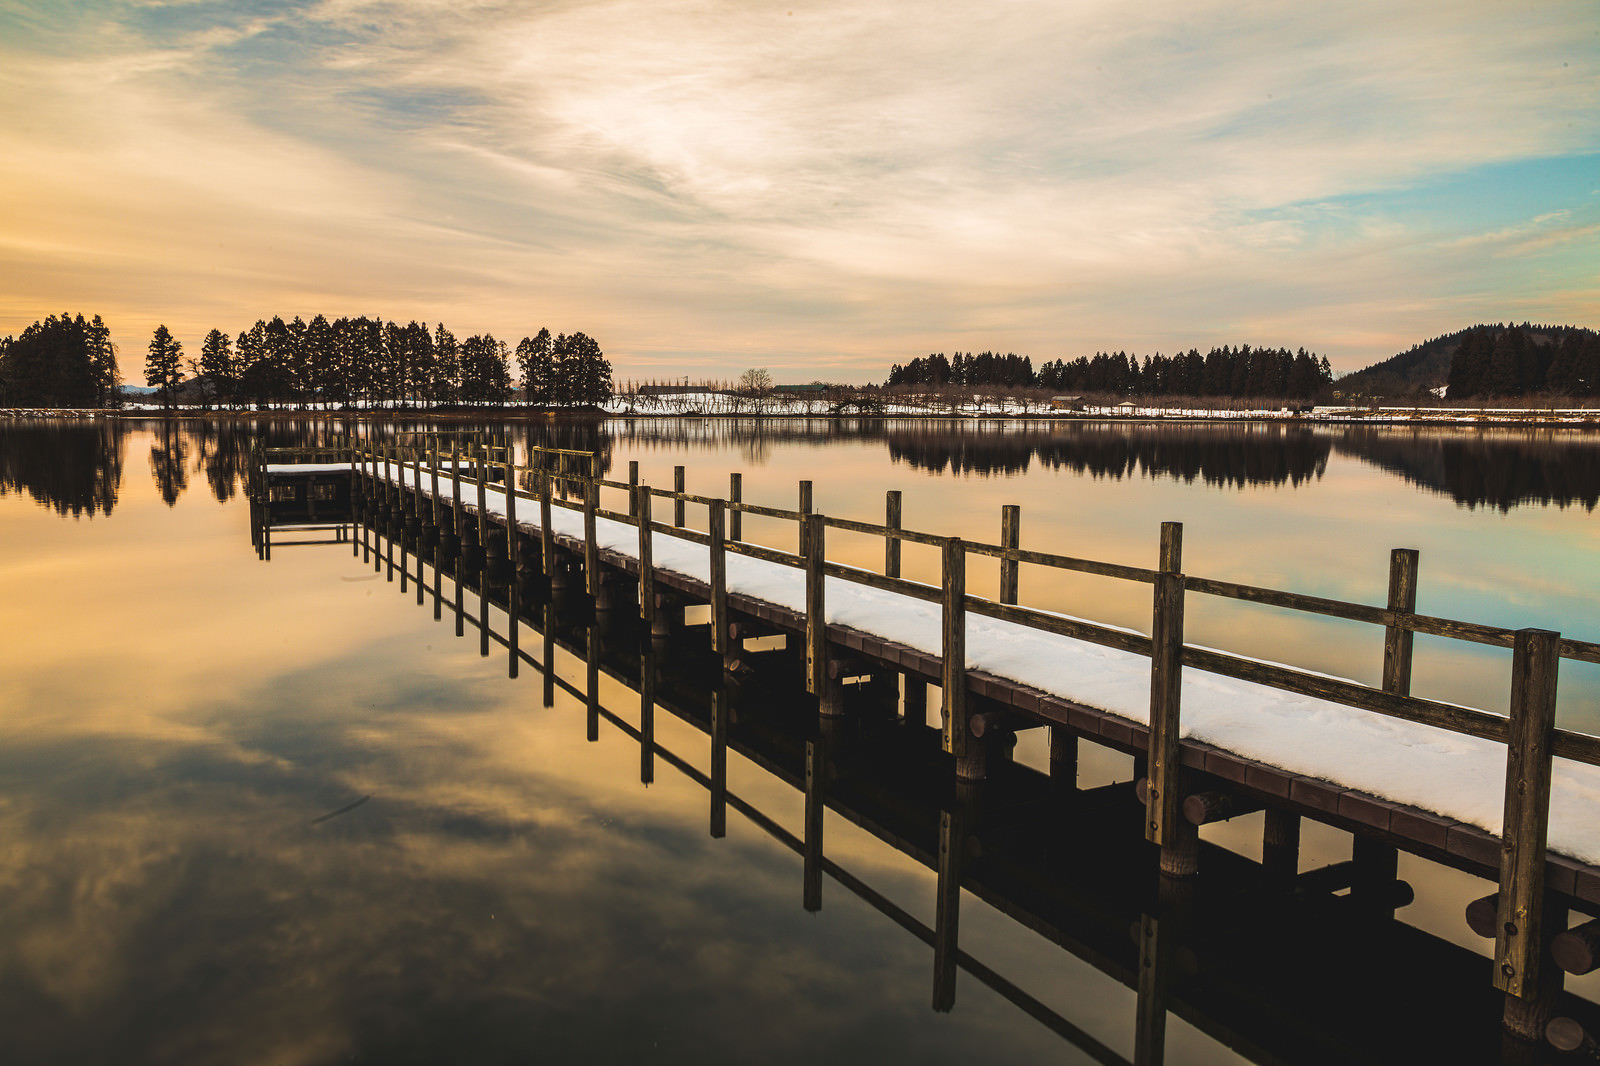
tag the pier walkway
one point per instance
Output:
(1214, 734)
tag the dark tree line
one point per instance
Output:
(60, 362)
(1504, 361)
(984, 368)
(367, 361)
(1226, 371)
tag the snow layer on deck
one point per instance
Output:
(1448, 773)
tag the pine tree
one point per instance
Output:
(536, 359)
(162, 367)
(216, 363)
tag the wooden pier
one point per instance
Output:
(437, 492)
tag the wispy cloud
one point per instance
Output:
(840, 184)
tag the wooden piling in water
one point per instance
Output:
(647, 566)
(720, 710)
(591, 544)
(547, 533)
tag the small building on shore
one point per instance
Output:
(1066, 403)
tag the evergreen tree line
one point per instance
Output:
(1504, 361)
(60, 362)
(369, 361)
(985, 368)
(1226, 371)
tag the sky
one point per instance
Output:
(818, 189)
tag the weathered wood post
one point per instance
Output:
(812, 831)
(891, 545)
(547, 532)
(805, 509)
(1520, 940)
(482, 470)
(1377, 864)
(647, 567)
(1164, 822)
(1010, 540)
(678, 501)
(513, 556)
(716, 524)
(1063, 759)
(958, 740)
(591, 543)
(633, 483)
(1156, 950)
(735, 497)
(438, 579)
(433, 464)
(1280, 847)
(812, 538)
(456, 519)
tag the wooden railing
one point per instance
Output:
(1528, 730)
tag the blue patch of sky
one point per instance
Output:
(1480, 199)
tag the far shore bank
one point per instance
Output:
(1461, 417)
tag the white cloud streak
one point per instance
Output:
(837, 184)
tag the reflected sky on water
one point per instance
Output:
(180, 720)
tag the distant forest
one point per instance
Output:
(1489, 362)
(1232, 372)
(348, 362)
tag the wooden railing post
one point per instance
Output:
(647, 568)
(547, 532)
(1397, 639)
(455, 491)
(511, 515)
(591, 545)
(891, 545)
(633, 483)
(1164, 821)
(1010, 539)
(433, 463)
(735, 516)
(1519, 936)
(805, 509)
(719, 577)
(482, 469)
(816, 605)
(953, 678)
(678, 504)
(1377, 863)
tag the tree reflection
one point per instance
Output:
(74, 468)
(169, 456)
(1496, 468)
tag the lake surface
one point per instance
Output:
(276, 812)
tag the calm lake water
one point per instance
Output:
(276, 812)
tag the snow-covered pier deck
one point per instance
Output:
(1506, 796)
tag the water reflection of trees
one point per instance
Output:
(169, 462)
(1496, 468)
(1232, 456)
(74, 468)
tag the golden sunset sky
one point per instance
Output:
(822, 189)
